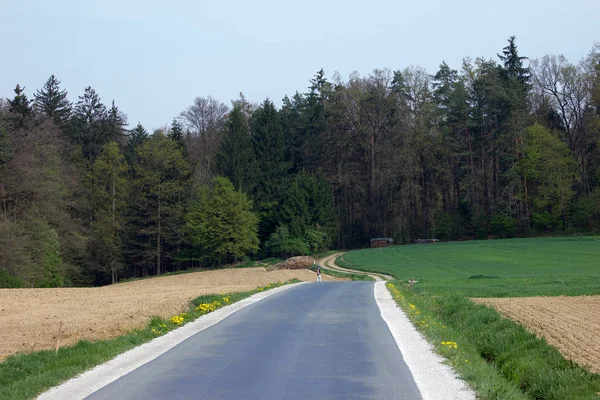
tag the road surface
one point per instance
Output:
(323, 340)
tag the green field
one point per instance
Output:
(497, 357)
(492, 268)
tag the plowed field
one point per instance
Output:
(571, 324)
(30, 318)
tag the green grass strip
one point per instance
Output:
(344, 275)
(24, 376)
(497, 357)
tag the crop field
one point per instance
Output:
(571, 324)
(549, 286)
(492, 268)
(30, 317)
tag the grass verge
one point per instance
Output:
(344, 275)
(497, 357)
(24, 376)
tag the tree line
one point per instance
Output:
(501, 147)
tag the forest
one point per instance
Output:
(497, 147)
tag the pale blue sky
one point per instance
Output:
(154, 57)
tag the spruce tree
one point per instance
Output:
(235, 157)
(20, 105)
(137, 136)
(176, 133)
(52, 102)
(88, 128)
(270, 151)
(115, 124)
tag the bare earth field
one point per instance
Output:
(29, 318)
(571, 324)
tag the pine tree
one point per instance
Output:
(52, 102)
(235, 157)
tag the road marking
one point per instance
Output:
(434, 379)
(103, 374)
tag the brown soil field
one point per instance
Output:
(571, 324)
(30, 318)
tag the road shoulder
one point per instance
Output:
(434, 379)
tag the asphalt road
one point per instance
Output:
(322, 340)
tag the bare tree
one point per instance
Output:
(204, 121)
(205, 116)
(567, 88)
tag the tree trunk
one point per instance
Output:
(158, 236)
(3, 201)
(114, 207)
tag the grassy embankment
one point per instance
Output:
(23, 376)
(498, 358)
(343, 275)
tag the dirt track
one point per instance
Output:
(571, 324)
(29, 318)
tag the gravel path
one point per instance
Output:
(329, 262)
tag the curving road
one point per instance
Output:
(322, 340)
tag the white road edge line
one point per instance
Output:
(434, 379)
(103, 374)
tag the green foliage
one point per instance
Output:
(176, 134)
(549, 168)
(220, 222)
(87, 128)
(269, 148)
(5, 147)
(52, 102)
(587, 214)
(20, 104)
(282, 243)
(45, 268)
(235, 159)
(110, 190)
(156, 204)
(503, 226)
(307, 211)
(9, 281)
(115, 124)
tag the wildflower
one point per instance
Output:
(412, 306)
(177, 320)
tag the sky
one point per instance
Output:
(154, 57)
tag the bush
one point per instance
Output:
(504, 226)
(280, 242)
(9, 281)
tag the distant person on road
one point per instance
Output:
(318, 272)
